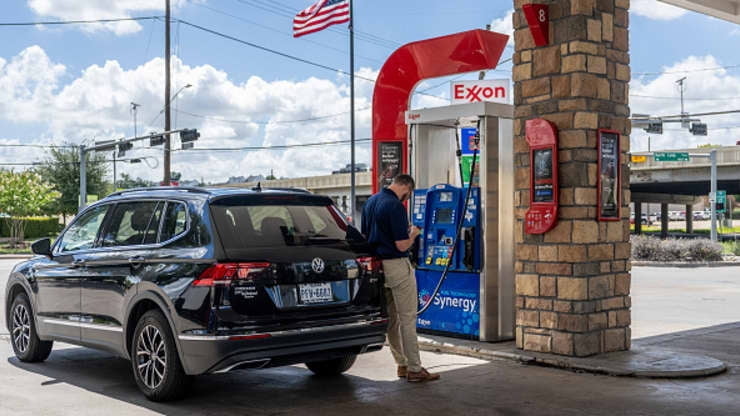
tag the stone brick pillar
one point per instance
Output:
(573, 282)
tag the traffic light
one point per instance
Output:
(698, 129)
(189, 135)
(124, 147)
(156, 140)
(655, 126)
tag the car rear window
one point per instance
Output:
(243, 225)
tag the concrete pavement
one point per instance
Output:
(83, 381)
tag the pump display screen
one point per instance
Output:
(444, 216)
(445, 196)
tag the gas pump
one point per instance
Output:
(464, 257)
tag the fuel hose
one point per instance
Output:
(459, 224)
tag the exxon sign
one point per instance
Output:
(491, 90)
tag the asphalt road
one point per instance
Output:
(80, 381)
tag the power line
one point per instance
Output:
(303, 120)
(718, 68)
(685, 99)
(275, 147)
(285, 55)
(42, 146)
(79, 22)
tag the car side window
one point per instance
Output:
(132, 223)
(175, 221)
(83, 231)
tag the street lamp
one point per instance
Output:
(171, 100)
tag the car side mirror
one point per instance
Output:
(42, 247)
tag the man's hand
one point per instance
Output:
(403, 245)
(414, 232)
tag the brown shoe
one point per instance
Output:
(402, 371)
(421, 376)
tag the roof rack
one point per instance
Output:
(287, 189)
(163, 188)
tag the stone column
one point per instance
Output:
(573, 282)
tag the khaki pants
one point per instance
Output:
(402, 300)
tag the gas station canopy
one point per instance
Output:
(722, 9)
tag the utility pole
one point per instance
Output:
(684, 118)
(83, 177)
(134, 108)
(713, 193)
(167, 141)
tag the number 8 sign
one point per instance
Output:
(539, 24)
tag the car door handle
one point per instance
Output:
(78, 263)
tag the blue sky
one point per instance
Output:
(71, 83)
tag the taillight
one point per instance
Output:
(225, 273)
(370, 264)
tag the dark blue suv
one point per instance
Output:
(186, 281)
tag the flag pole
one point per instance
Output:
(352, 108)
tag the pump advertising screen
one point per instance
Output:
(389, 162)
(608, 187)
(543, 189)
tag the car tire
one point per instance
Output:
(154, 360)
(332, 367)
(23, 336)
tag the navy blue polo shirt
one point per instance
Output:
(384, 221)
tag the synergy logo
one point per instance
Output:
(451, 302)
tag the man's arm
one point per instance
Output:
(403, 245)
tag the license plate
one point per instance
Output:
(311, 293)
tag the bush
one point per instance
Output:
(35, 227)
(653, 249)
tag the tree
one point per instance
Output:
(62, 170)
(127, 182)
(21, 195)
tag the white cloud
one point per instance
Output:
(95, 104)
(656, 10)
(99, 9)
(505, 25)
(722, 87)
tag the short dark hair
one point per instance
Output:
(404, 179)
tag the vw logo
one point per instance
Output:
(317, 265)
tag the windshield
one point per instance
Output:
(252, 226)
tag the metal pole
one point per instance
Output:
(713, 192)
(114, 172)
(83, 177)
(167, 143)
(352, 108)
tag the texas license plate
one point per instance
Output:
(311, 293)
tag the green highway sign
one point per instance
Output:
(671, 156)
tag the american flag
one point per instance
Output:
(320, 16)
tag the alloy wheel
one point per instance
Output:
(151, 356)
(21, 328)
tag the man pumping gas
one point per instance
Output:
(385, 224)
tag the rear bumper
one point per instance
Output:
(222, 353)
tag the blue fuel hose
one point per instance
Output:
(458, 228)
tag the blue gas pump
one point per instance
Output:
(455, 310)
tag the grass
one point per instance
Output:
(5, 249)
(656, 228)
(731, 247)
